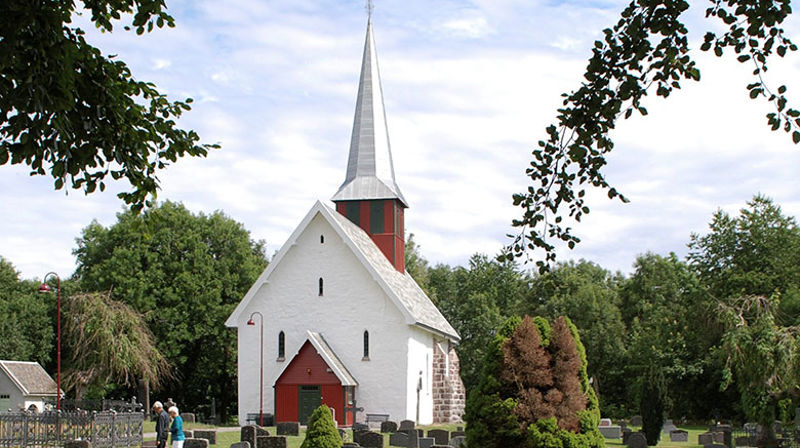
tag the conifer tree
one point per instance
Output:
(527, 366)
(322, 432)
(652, 405)
(566, 376)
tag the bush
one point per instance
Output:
(322, 432)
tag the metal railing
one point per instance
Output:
(53, 429)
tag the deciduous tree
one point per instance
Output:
(71, 112)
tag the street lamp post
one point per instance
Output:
(261, 368)
(45, 288)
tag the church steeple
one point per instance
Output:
(369, 195)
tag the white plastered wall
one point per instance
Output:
(352, 302)
(16, 399)
(420, 376)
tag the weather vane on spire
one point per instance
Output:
(369, 8)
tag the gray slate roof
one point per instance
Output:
(30, 377)
(370, 170)
(330, 357)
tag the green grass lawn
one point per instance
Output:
(694, 431)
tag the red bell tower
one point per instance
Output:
(369, 196)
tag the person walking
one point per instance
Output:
(162, 425)
(176, 428)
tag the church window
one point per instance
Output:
(366, 345)
(320, 287)
(281, 346)
(352, 211)
(376, 224)
(322, 239)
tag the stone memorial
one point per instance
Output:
(288, 429)
(360, 427)
(457, 441)
(195, 443)
(272, 442)
(407, 424)
(706, 438)
(458, 433)
(208, 434)
(668, 427)
(440, 436)
(240, 445)
(636, 420)
(678, 435)
(250, 432)
(626, 432)
(610, 432)
(189, 417)
(388, 426)
(188, 433)
(636, 440)
(425, 442)
(605, 422)
(398, 439)
(369, 439)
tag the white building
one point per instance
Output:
(25, 386)
(340, 320)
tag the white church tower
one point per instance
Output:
(335, 318)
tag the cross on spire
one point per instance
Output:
(369, 7)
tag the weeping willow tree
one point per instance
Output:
(109, 341)
(762, 358)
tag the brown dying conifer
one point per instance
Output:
(526, 365)
(566, 376)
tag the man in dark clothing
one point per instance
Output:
(162, 425)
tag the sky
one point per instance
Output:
(469, 88)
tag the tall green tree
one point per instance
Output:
(71, 112)
(185, 273)
(647, 50)
(108, 341)
(762, 356)
(754, 253)
(27, 319)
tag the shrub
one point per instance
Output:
(322, 432)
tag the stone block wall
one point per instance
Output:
(448, 389)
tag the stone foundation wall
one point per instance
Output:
(448, 389)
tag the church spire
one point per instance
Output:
(370, 172)
(369, 196)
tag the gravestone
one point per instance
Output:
(195, 443)
(745, 441)
(398, 439)
(407, 424)
(77, 444)
(458, 433)
(706, 438)
(637, 440)
(668, 427)
(208, 434)
(288, 429)
(388, 427)
(626, 432)
(605, 422)
(413, 438)
(272, 442)
(636, 420)
(678, 435)
(189, 417)
(188, 433)
(370, 439)
(727, 435)
(457, 441)
(610, 432)
(425, 442)
(360, 427)
(440, 436)
(240, 445)
(250, 432)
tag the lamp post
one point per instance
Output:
(45, 288)
(261, 368)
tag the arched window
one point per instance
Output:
(281, 346)
(322, 239)
(320, 286)
(366, 344)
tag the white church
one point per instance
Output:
(335, 318)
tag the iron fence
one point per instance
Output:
(53, 429)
